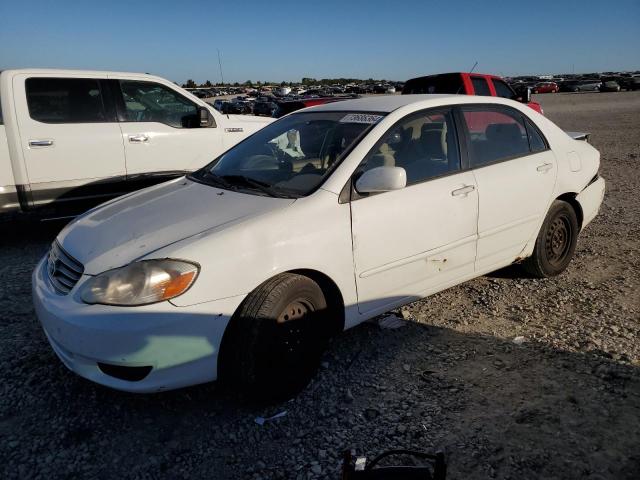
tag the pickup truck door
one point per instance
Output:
(161, 130)
(410, 242)
(70, 139)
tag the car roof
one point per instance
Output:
(389, 103)
(385, 103)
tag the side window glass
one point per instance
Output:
(1, 121)
(65, 100)
(480, 86)
(536, 142)
(495, 134)
(502, 89)
(152, 102)
(425, 145)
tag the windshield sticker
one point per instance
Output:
(361, 118)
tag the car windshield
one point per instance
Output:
(290, 157)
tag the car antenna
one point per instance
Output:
(474, 67)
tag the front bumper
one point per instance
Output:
(590, 200)
(181, 344)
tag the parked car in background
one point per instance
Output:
(610, 86)
(218, 104)
(590, 85)
(287, 106)
(545, 87)
(468, 84)
(243, 270)
(265, 108)
(630, 83)
(73, 136)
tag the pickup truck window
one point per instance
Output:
(495, 134)
(502, 89)
(65, 100)
(444, 83)
(153, 102)
(480, 86)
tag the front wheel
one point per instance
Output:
(556, 242)
(273, 345)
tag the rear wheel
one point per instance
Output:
(556, 242)
(273, 345)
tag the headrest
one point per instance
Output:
(431, 141)
(503, 132)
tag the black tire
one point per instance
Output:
(272, 354)
(556, 242)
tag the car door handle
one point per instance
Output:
(40, 143)
(463, 191)
(138, 139)
(545, 167)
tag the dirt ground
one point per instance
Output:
(563, 404)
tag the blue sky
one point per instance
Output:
(287, 40)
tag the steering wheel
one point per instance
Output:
(284, 161)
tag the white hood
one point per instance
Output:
(133, 226)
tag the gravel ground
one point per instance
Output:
(565, 403)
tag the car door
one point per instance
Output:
(70, 137)
(161, 130)
(410, 242)
(515, 172)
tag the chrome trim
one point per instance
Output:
(63, 270)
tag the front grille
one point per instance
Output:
(64, 271)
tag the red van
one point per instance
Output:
(468, 84)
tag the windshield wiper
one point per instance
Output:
(251, 182)
(215, 180)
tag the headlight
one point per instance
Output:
(140, 283)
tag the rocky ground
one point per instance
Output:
(563, 401)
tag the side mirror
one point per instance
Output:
(206, 119)
(523, 94)
(382, 179)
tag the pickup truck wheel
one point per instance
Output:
(273, 345)
(556, 242)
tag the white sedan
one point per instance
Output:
(243, 270)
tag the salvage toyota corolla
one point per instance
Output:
(243, 270)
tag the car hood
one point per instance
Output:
(130, 227)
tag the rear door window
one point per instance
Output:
(495, 134)
(66, 100)
(480, 86)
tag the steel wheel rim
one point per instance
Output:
(293, 329)
(558, 240)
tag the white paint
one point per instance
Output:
(382, 251)
(83, 153)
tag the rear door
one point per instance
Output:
(69, 134)
(161, 131)
(515, 171)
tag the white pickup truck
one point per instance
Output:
(68, 135)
